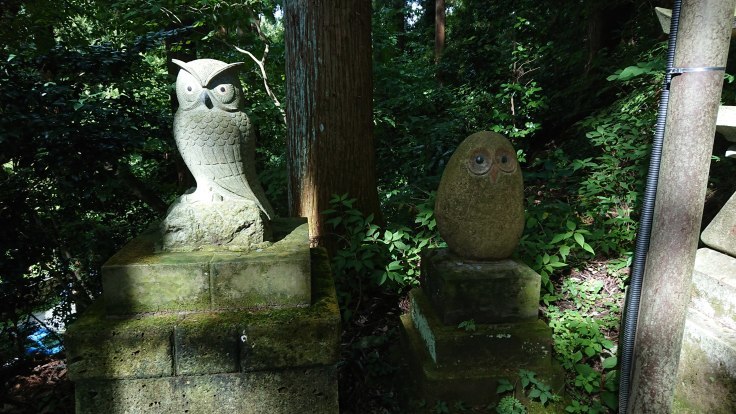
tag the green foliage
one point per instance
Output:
(510, 405)
(586, 313)
(537, 390)
(530, 385)
(88, 160)
(370, 256)
(440, 407)
(468, 326)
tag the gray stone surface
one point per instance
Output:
(198, 225)
(450, 364)
(202, 343)
(310, 390)
(515, 344)
(139, 279)
(706, 377)
(714, 286)
(480, 199)
(721, 232)
(488, 292)
(726, 122)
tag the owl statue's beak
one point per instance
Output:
(204, 97)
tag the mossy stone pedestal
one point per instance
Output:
(452, 364)
(210, 332)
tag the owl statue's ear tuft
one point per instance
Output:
(229, 66)
(187, 68)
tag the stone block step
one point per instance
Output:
(488, 292)
(506, 344)
(471, 378)
(721, 231)
(202, 343)
(309, 391)
(706, 378)
(139, 279)
(714, 286)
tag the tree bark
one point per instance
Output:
(703, 40)
(329, 108)
(439, 29)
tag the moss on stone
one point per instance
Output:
(138, 279)
(208, 342)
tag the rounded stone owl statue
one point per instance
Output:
(480, 200)
(216, 141)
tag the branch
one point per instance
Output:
(262, 67)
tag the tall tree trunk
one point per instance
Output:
(439, 29)
(703, 40)
(329, 108)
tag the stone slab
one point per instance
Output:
(726, 122)
(714, 286)
(721, 232)
(311, 390)
(473, 377)
(515, 344)
(706, 377)
(139, 279)
(199, 343)
(487, 292)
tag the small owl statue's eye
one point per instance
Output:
(506, 160)
(479, 161)
(192, 89)
(225, 92)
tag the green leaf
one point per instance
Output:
(504, 386)
(609, 399)
(570, 225)
(587, 248)
(579, 238)
(610, 362)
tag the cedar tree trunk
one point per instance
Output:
(329, 108)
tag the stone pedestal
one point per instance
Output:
(213, 332)
(454, 364)
(706, 377)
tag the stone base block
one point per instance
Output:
(721, 232)
(509, 343)
(138, 279)
(272, 360)
(714, 286)
(487, 292)
(198, 343)
(471, 378)
(706, 377)
(311, 390)
(451, 364)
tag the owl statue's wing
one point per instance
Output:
(213, 148)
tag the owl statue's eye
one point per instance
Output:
(479, 161)
(191, 92)
(225, 92)
(506, 160)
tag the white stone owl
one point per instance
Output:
(214, 135)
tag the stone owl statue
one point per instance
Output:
(214, 135)
(480, 200)
(228, 209)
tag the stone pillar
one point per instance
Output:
(218, 332)
(706, 375)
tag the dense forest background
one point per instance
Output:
(88, 157)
